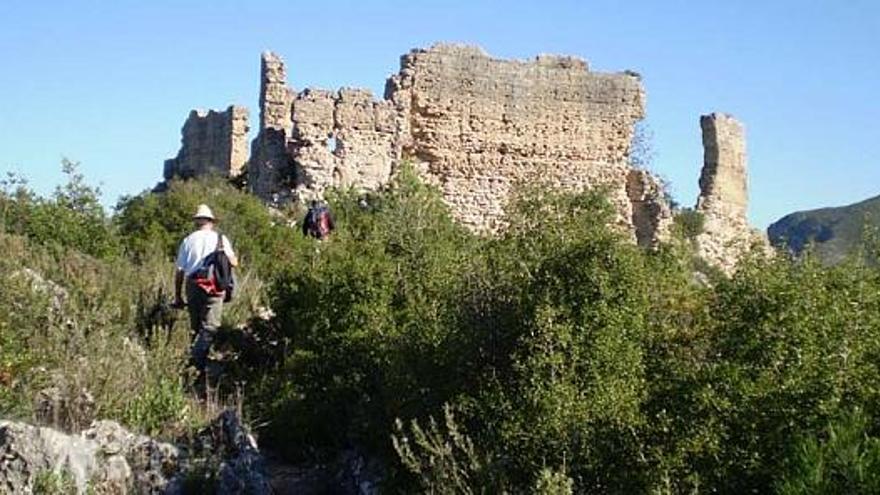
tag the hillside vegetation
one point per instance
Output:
(832, 233)
(555, 357)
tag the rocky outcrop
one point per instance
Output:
(241, 466)
(212, 143)
(723, 200)
(107, 458)
(651, 214)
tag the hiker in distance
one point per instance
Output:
(204, 263)
(318, 222)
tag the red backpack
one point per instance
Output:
(322, 223)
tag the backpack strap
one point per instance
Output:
(219, 241)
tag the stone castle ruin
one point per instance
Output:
(475, 127)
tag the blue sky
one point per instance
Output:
(110, 83)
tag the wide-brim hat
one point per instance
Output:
(204, 212)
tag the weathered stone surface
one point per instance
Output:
(723, 197)
(242, 470)
(477, 127)
(62, 408)
(270, 166)
(482, 125)
(651, 215)
(107, 458)
(341, 139)
(473, 125)
(153, 467)
(212, 143)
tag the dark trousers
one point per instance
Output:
(204, 317)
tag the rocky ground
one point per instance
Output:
(108, 459)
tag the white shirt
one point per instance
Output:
(196, 247)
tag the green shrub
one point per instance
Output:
(152, 223)
(443, 458)
(575, 361)
(689, 223)
(158, 406)
(845, 460)
(50, 482)
(367, 314)
(72, 218)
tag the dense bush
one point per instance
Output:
(566, 354)
(74, 307)
(152, 223)
(71, 218)
(689, 223)
(552, 357)
(843, 459)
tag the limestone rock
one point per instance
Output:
(28, 452)
(64, 407)
(242, 470)
(651, 214)
(107, 458)
(153, 465)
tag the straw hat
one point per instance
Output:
(204, 212)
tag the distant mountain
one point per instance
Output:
(836, 232)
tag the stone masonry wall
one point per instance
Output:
(270, 165)
(473, 125)
(723, 197)
(212, 143)
(478, 126)
(342, 139)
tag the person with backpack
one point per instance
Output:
(318, 222)
(204, 266)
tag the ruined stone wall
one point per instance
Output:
(342, 139)
(479, 126)
(475, 126)
(270, 166)
(211, 143)
(723, 197)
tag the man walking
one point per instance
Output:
(203, 299)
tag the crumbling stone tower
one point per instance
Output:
(723, 199)
(270, 166)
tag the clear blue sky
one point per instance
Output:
(110, 83)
